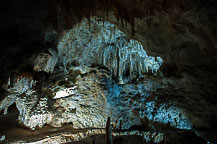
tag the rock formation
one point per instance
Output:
(101, 43)
(149, 65)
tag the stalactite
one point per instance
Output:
(89, 22)
(73, 11)
(118, 63)
(118, 53)
(122, 23)
(133, 27)
(107, 10)
(103, 20)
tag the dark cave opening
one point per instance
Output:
(10, 119)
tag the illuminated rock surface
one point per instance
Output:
(102, 73)
(150, 66)
(151, 103)
(100, 43)
(46, 61)
(2, 138)
(21, 86)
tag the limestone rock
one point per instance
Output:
(95, 95)
(6, 102)
(83, 105)
(2, 138)
(21, 86)
(158, 104)
(34, 111)
(46, 61)
(101, 43)
(64, 93)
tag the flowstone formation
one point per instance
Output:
(100, 43)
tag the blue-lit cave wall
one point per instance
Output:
(135, 104)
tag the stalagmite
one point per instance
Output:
(108, 132)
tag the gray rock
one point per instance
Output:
(46, 61)
(158, 103)
(84, 105)
(2, 138)
(108, 47)
(22, 85)
(33, 111)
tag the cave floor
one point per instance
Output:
(66, 134)
(21, 135)
(15, 133)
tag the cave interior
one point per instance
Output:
(108, 71)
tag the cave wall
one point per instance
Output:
(22, 27)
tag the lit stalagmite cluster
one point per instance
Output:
(95, 42)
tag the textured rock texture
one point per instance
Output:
(85, 108)
(83, 104)
(98, 71)
(170, 101)
(100, 43)
(154, 104)
(46, 61)
(21, 86)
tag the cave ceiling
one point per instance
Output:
(181, 32)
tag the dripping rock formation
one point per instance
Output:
(69, 65)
